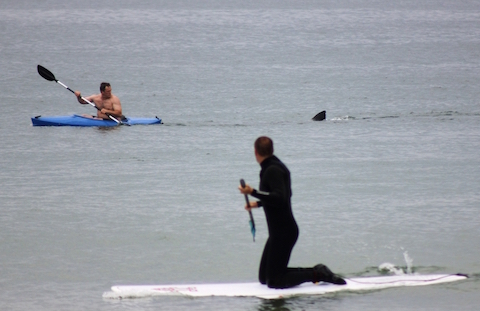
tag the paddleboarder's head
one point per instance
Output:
(263, 148)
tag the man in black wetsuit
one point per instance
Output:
(275, 197)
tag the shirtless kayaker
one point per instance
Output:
(108, 103)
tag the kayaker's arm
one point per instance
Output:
(79, 98)
(117, 108)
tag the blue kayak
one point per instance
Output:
(76, 120)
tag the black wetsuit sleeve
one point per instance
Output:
(273, 187)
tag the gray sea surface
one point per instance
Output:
(391, 176)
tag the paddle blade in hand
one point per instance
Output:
(251, 222)
(45, 73)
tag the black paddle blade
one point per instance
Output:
(45, 73)
(319, 116)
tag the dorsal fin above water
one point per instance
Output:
(320, 116)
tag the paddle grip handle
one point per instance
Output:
(252, 222)
(242, 183)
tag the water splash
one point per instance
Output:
(389, 268)
(409, 262)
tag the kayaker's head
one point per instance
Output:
(263, 148)
(106, 89)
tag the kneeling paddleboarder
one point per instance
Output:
(274, 196)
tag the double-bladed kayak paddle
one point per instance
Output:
(48, 75)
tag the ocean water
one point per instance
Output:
(390, 177)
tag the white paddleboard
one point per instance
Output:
(262, 291)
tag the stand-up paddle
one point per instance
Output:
(48, 75)
(252, 222)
